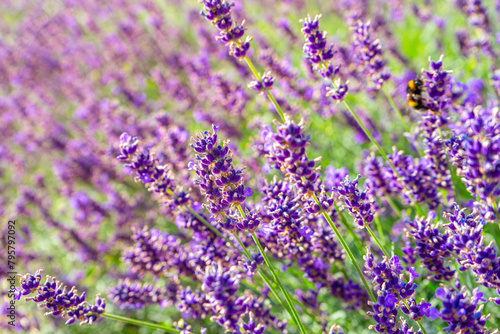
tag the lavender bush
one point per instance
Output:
(250, 167)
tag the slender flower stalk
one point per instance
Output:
(140, 323)
(346, 248)
(278, 281)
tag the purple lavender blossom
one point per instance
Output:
(230, 33)
(462, 312)
(475, 152)
(392, 291)
(264, 84)
(220, 285)
(357, 202)
(432, 247)
(416, 179)
(156, 177)
(289, 155)
(53, 296)
(218, 180)
(320, 56)
(466, 232)
(369, 54)
(437, 86)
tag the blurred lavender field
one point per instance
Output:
(250, 167)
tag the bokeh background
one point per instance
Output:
(74, 75)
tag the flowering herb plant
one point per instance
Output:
(249, 168)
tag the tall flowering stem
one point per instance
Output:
(53, 296)
(345, 246)
(140, 323)
(222, 185)
(278, 281)
(219, 13)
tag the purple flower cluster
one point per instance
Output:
(437, 86)
(53, 296)
(392, 291)
(462, 313)
(264, 84)
(369, 54)
(230, 33)
(288, 153)
(136, 295)
(220, 286)
(219, 181)
(475, 151)
(156, 253)
(416, 180)
(149, 171)
(467, 237)
(320, 56)
(357, 202)
(432, 247)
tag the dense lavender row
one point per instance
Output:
(256, 170)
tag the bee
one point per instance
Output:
(414, 94)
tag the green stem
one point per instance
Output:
(393, 206)
(376, 239)
(280, 285)
(396, 109)
(346, 248)
(380, 230)
(348, 227)
(140, 323)
(269, 95)
(213, 229)
(265, 278)
(417, 321)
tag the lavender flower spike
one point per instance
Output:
(357, 202)
(320, 56)
(462, 313)
(230, 33)
(53, 296)
(219, 181)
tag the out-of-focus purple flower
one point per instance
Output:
(264, 84)
(53, 296)
(136, 295)
(369, 54)
(157, 253)
(477, 18)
